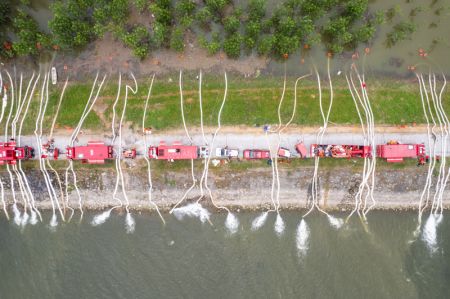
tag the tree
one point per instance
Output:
(71, 24)
(28, 34)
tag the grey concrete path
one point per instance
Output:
(242, 141)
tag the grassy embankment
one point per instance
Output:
(250, 102)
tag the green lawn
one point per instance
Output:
(250, 102)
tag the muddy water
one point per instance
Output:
(187, 259)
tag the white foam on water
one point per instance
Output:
(302, 238)
(101, 218)
(33, 218)
(259, 221)
(193, 210)
(25, 218)
(336, 223)
(17, 217)
(279, 226)
(232, 223)
(429, 234)
(54, 221)
(130, 224)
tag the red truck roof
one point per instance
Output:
(10, 153)
(396, 152)
(177, 151)
(93, 153)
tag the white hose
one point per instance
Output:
(134, 91)
(182, 108)
(150, 188)
(114, 136)
(90, 103)
(27, 185)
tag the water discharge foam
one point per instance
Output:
(101, 218)
(335, 222)
(232, 223)
(25, 218)
(17, 217)
(33, 218)
(130, 224)
(193, 210)
(429, 234)
(302, 238)
(279, 226)
(259, 221)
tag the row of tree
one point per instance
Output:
(340, 25)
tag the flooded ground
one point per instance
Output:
(431, 19)
(188, 259)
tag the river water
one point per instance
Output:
(188, 259)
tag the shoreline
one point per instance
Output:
(236, 189)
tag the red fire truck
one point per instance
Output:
(177, 151)
(340, 151)
(395, 152)
(10, 153)
(95, 152)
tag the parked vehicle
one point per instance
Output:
(95, 152)
(226, 152)
(251, 154)
(10, 153)
(395, 152)
(284, 153)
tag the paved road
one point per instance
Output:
(244, 140)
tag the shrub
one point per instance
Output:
(204, 16)
(265, 45)
(177, 39)
(141, 5)
(212, 46)
(160, 32)
(401, 31)
(231, 24)
(184, 8)
(232, 45)
(138, 40)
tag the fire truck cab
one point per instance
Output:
(95, 152)
(10, 153)
(395, 152)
